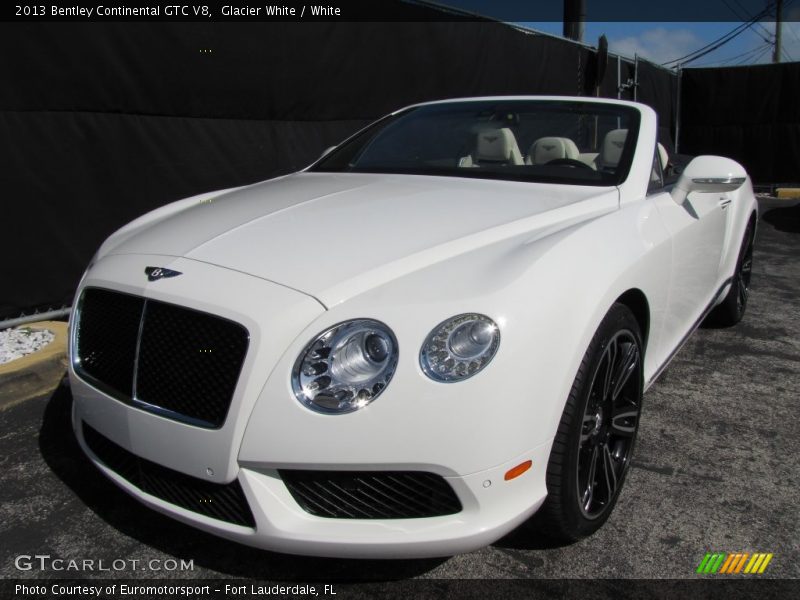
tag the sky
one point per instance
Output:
(661, 42)
(664, 41)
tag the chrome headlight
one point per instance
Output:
(346, 367)
(459, 347)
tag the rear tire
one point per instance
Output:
(594, 443)
(731, 310)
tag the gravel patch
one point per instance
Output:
(21, 341)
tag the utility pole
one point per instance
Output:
(574, 19)
(776, 51)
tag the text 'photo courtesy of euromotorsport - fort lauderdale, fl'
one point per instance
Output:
(174, 590)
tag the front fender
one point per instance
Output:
(743, 205)
(547, 296)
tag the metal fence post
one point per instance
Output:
(678, 109)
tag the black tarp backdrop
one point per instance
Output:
(751, 114)
(101, 122)
(659, 88)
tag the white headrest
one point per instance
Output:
(550, 148)
(611, 151)
(497, 145)
(663, 157)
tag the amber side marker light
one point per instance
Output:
(518, 470)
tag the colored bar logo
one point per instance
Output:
(734, 563)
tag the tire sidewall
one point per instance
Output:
(728, 312)
(619, 318)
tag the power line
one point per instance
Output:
(793, 34)
(744, 55)
(752, 54)
(787, 25)
(756, 55)
(760, 56)
(747, 16)
(730, 59)
(747, 55)
(721, 41)
(738, 30)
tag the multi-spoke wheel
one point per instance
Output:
(609, 424)
(731, 310)
(593, 446)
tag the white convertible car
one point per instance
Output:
(443, 326)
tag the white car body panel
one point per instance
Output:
(544, 261)
(384, 208)
(179, 446)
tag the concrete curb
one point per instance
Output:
(36, 374)
(788, 193)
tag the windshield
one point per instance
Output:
(581, 143)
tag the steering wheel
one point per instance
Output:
(568, 162)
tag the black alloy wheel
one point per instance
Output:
(743, 273)
(610, 422)
(593, 447)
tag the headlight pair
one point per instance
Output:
(347, 366)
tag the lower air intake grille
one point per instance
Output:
(224, 502)
(371, 495)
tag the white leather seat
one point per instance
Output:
(589, 159)
(495, 146)
(611, 150)
(663, 157)
(659, 170)
(550, 148)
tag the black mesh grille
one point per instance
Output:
(106, 339)
(223, 502)
(371, 495)
(188, 362)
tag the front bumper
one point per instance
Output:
(492, 507)
(267, 430)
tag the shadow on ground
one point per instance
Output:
(62, 454)
(528, 536)
(784, 219)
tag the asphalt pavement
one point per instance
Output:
(716, 469)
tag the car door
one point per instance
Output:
(697, 228)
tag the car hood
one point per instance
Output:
(333, 235)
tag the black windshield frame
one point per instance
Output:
(341, 159)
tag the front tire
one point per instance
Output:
(594, 443)
(731, 310)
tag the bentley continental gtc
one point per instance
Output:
(442, 327)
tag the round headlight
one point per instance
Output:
(459, 347)
(346, 367)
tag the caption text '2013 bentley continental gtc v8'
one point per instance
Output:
(443, 326)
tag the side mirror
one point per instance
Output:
(714, 174)
(326, 152)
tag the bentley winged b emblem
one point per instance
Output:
(156, 273)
